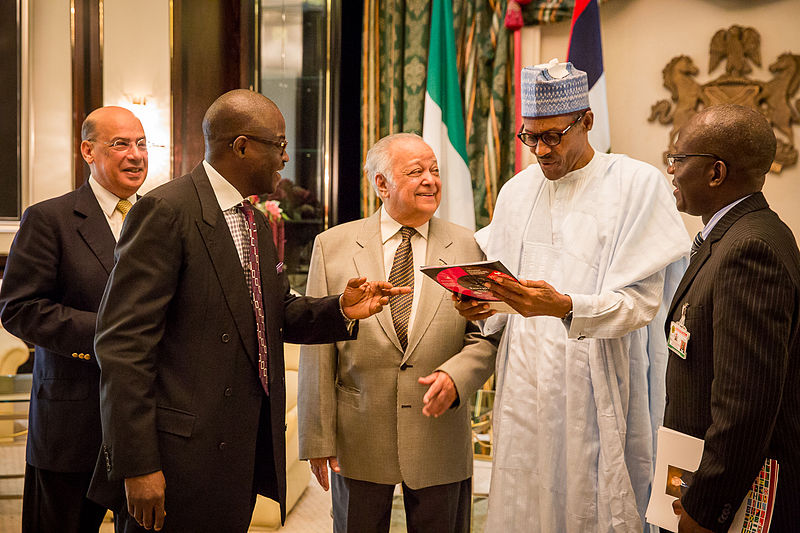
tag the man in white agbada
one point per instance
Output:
(580, 377)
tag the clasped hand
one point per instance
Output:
(362, 298)
(528, 297)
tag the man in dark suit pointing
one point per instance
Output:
(190, 336)
(56, 272)
(735, 383)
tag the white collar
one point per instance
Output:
(389, 227)
(579, 173)
(227, 195)
(107, 199)
(719, 214)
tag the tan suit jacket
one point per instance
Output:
(360, 400)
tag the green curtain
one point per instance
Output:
(486, 69)
(395, 48)
(394, 63)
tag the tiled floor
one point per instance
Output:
(310, 515)
(12, 461)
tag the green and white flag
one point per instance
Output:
(443, 124)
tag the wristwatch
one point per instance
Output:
(568, 316)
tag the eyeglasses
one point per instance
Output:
(280, 143)
(123, 145)
(674, 158)
(550, 138)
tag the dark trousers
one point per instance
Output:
(364, 507)
(56, 502)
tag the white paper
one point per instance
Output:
(674, 449)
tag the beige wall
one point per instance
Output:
(136, 73)
(639, 39)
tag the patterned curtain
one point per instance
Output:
(486, 68)
(395, 56)
(394, 62)
(547, 11)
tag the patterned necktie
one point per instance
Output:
(402, 275)
(123, 206)
(255, 294)
(698, 240)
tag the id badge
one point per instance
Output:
(678, 340)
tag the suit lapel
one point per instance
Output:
(222, 252)
(753, 203)
(93, 226)
(439, 251)
(369, 264)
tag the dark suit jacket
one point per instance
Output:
(738, 386)
(56, 272)
(176, 341)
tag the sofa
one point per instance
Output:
(13, 353)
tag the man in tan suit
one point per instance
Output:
(393, 407)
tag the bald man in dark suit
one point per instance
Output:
(57, 269)
(737, 386)
(190, 337)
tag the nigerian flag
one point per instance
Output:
(443, 124)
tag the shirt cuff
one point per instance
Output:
(581, 311)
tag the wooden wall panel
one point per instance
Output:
(87, 73)
(10, 82)
(212, 53)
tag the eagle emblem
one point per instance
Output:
(738, 47)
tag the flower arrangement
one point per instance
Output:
(289, 203)
(275, 216)
(271, 208)
(296, 202)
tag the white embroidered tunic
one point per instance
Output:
(578, 404)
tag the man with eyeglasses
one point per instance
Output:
(56, 272)
(735, 385)
(190, 337)
(598, 246)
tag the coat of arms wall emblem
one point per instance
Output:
(738, 46)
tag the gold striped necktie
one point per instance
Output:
(123, 206)
(402, 275)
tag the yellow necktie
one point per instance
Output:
(123, 206)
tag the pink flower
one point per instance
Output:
(272, 210)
